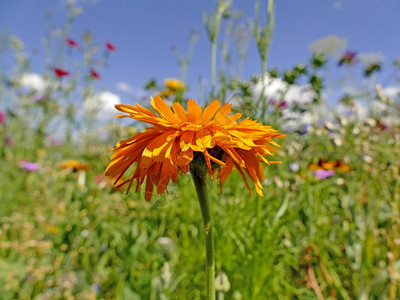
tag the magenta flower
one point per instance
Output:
(322, 174)
(110, 47)
(72, 43)
(29, 166)
(283, 105)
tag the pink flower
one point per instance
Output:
(110, 47)
(322, 174)
(94, 74)
(72, 43)
(3, 117)
(29, 166)
(60, 72)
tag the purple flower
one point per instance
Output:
(322, 174)
(29, 166)
(283, 105)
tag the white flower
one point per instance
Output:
(328, 45)
(276, 88)
(371, 58)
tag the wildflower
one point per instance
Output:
(94, 74)
(283, 105)
(54, 141)
(322, 174)
(110, 47)
(52, 229)
(60, 72)
(29, 166)
(174, 84)
(328, 45)
(222, 284)
(73, 165)
(72, 43)
(178, 139)
(348, 58)
(372, 68)
(3, 117)
(333, 165)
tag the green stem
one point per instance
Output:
(213, 66)
(220, 296)
(200, 181)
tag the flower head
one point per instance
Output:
(94, 74)
(322, 174)
(110, 47)
(174, 84)
(73, 165)
(3, 117)
(348, 58)
(29, 166)
(178, 139)
(72, 43)
(60, 72)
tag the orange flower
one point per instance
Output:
(73, 165)
(179, 138)
(334, 165)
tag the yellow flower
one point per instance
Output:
(179, 138)
(73, 165)
(165, 93)
(174, 84)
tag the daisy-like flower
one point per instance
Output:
(73, 165)
(178, 139)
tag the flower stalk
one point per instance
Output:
(199, 175)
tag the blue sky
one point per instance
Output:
(144, 32)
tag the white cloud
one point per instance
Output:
(34, 82)
(103, 104)
(124, 87)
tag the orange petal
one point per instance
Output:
(194, 111)
(164, 110)
(179, 111)
(210, 111)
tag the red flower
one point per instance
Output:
(72, 43)
(110, 47)
(94, 74)
(60, 72)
